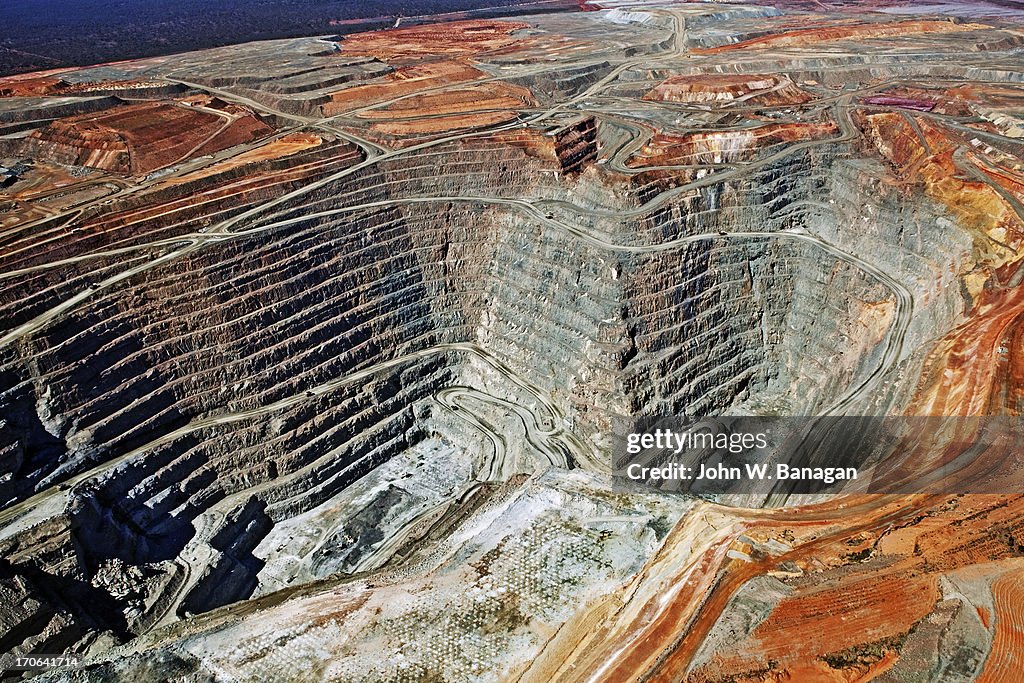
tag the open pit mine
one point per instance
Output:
(312, 350)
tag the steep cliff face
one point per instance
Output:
(388, 336)
(160, 384)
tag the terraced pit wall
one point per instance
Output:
(163, 379)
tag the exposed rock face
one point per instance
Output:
(568, 145)
(703, 88)
(330, 396)
(575, 144)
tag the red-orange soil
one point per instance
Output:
(29, 87)
(456, 122)
(183, 204)
(814, 36)
(863, 574)
(476, 98)
(141, 138)
(1005, 662)
(929, 161)
(718, 146)
(456, 39)
(405, 81)
(287, 145)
